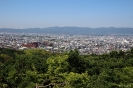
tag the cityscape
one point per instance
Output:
(66, 43)
(86, 44)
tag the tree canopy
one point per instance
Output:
(29, 68)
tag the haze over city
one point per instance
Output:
(79, 13)
(66, 43)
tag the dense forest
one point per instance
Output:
(36, 67)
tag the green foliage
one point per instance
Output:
(23, 69)
(4, 58)
(76, 62)
(75, 80)
(57, 65)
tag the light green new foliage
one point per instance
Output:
(57, 65)
(58, 68)
(75, 80)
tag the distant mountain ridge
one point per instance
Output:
(71, 30)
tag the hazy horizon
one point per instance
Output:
(62, 27)
(66, 13)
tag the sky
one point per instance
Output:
(79, 13)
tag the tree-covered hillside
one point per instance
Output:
(35, 67)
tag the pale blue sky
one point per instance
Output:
(81, 13)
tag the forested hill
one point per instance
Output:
(71, 30)
(36, 67)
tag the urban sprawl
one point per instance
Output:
(86, 44)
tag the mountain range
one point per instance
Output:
(71, 30)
